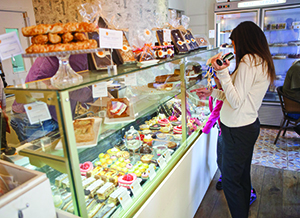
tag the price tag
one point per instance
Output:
(130, 79)
(162, 162)
(167, 35)
(37, 112)
(167, 155)
(10, 45)
(100, 90)
(125, 199)
(110, 38)
(136, 187)
(151, 172)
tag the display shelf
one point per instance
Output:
(146, 106)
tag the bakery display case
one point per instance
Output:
(109, 158)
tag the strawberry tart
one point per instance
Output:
(177, 129)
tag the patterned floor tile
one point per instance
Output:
(284, 155)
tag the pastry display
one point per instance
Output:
(86, 167)
(155, 127)
(59, 179)
(118, 107)
(94, 187)
(59, 37)
(88, 182)
(105, 190)
(171, 145)
(58, 28)
(192, 39)
(163, 122)
(145, 175)
(279, 56)
(294, 56)
(179, 42)
(161, 136)
(123, 154)
(167, 78)
(148, 139)
(201, 41)
(177, 129)
(147, 158)
(126, 180)
(84, 130)
(101, 59)
(113, 198)
(145, 150)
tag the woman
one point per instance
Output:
(242, 96)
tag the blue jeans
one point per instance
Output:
(27, 132)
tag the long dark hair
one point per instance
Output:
(250, 39)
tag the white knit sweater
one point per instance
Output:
(243, 92)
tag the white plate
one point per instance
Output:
(97, 125)
(146, 63)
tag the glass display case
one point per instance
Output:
(282, 29)
(108, 157)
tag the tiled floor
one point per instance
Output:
(284, 155)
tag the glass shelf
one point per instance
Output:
(90, 77)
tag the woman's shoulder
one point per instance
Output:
(252, 60)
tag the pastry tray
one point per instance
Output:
(97, 127)
(130, 118)
(58, 53)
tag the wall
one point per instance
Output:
(176, 4)
(201, 14)
(19, 5)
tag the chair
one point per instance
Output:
(288, 105)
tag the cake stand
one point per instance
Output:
(65, 76)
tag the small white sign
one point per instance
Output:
(37, 95)
(167, 155)
(125, 199)
(37, 112)
(100, 90)
(167, 35)
(110, 38)
(211, 34)
(130, 79)
(162, 162)
(10, 45)
(151, 172)
(136, 187)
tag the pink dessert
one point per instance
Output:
(129, 165)
(177, 129)
(172, 118)
(163, 122)
(86, 167)
(126, 180)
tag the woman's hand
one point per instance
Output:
(216, 66)
(202, 92)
